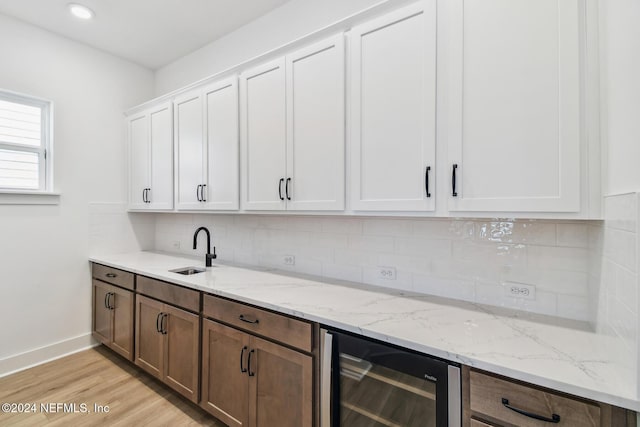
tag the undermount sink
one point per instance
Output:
(187, 271)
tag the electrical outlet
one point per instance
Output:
(289, 260)
(520, 290)
(388, 273)
(175, 244)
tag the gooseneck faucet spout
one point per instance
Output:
(209, 256)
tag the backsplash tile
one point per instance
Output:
(467, 259)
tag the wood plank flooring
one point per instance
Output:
(96, 376)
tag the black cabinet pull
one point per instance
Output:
(555, 418)
(250, 373)
(148, 197)
(286, 189)
(244, 319)
(163, 324)
(158, 322)
(280, 188)
(426, 180)
(112, 306)
(198, 192)
(144, 195)
(242, 369)
(112, 275)
(454, 193)
(202, 196)
(106, 303)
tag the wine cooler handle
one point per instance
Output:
(325, 374)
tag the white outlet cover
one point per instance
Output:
(387, 273)
(519, 290)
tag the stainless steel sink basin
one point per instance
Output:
(187, 271)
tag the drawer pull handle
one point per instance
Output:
(555, 418)
(244, 319)
(112, 275)
(242, 368)
(454, 193)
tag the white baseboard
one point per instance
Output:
(38, 356)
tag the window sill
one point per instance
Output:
(29, 198)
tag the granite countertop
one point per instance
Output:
(563, 355)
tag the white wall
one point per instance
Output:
(620, 93)
(43, 249)
(292, 20)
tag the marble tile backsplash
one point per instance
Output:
(468, 259)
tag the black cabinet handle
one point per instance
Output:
(244, 319)
(158, 322)
(198, 192)
(148, 197)
(144, 195)
(280, 188)
(112, 306)
(242, 369)
(106, 302)
(250, 373)
(163, 324)
(202, 195)
(454, 193)
(555, 418)
(426, 180)
(112, 275)
(286, 189)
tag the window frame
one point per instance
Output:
(44, 150)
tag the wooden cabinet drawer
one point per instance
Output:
(487, 393)
(169, 293)
(478, 423)
(296, 333)
(111, 275)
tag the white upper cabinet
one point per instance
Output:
(206, 134)
(393, 116)
(315, 127)
(151, 159)
(513, 95)
(263, 136)
(293, 144)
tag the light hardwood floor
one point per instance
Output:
(97, 376)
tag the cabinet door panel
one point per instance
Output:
(161, 194)
(123, 322)
(262, 135)
(149, 342)
(102, 320)
(140, 162)
(281, 392)
(315, 122)
(514, 105)
(225, 387)
(393, 110)
(190, 149)
(221, 114)
(181, 357)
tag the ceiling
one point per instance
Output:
(151, 33)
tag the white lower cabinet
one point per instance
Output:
(206, 134)
(292, 130)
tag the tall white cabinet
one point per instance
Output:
(151, 158)
(206, 135)
(393, 116)
(292, 130)
(513, 96)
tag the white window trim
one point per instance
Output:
(45, 194)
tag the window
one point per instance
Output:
(25, 143)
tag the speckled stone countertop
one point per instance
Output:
(562, 355)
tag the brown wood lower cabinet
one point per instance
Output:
(167, 341)
(249, 381)
(113, 317)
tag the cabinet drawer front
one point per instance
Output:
(295, 333)
(172, 294)
(488, 392)
(121, 278)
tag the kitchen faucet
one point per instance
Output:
(209, 256)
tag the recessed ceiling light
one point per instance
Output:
(80, 11)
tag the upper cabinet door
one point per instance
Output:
(513, 125)
(393, 101)
(190, 150)
(139, 160)
(221, 120)
(315, 127)
(160, 195)
(263, 136)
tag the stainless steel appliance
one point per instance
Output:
(367, 383)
